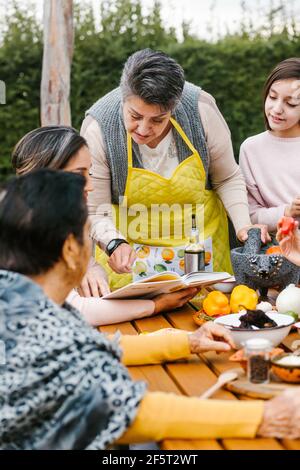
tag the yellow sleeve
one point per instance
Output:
(154, 349)
(167, 416)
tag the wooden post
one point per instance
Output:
(57, 60)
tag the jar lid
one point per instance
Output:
(258, 343)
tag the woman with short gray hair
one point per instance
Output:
(154, 81)
(161, 152)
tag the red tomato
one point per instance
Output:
(287, 225)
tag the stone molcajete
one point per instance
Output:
(260, 271)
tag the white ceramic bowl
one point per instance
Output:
(225, 286)
(275, 335)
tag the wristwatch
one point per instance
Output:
(113, 245)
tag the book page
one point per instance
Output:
(152, 260)
(203, 278)
(167, 276)
(148, 290)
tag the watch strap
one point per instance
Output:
(118, 242)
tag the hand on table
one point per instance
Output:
(165, 302)
(210, 337)
(281, 417)
(122, 259)
(242, 234)
(290, 244)
(94, 283)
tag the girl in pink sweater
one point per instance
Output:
(270, 161)
(62, 148)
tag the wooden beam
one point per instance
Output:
(57, 60)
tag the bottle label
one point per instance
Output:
(194, 261)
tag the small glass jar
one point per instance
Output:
(257, 351)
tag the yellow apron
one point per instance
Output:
(142, 223)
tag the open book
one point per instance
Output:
(164, 283)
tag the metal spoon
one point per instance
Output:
(224, 378)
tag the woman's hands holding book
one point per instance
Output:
(167, 302)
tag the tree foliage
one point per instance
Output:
(233, 69)
(20, 69)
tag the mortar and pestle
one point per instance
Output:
(260, 271)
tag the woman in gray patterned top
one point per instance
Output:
(63, 386)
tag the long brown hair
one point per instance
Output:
(289, 68)
(46, 147)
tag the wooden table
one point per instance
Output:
(192, 377)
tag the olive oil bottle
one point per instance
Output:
(194, 254)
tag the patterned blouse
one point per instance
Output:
(62, 385)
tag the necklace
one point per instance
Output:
(172, 149)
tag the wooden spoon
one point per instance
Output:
(223, 379)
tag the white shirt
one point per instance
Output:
(163, 159)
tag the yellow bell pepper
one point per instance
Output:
(242, 297)
(216, 303)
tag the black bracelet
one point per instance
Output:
(113, 245)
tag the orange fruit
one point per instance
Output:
(143, 252)
(167, 254)
(181, 264)
(207, 257)
(274, 250)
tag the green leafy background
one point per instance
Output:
(232, 69)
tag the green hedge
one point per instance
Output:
(232, 70)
